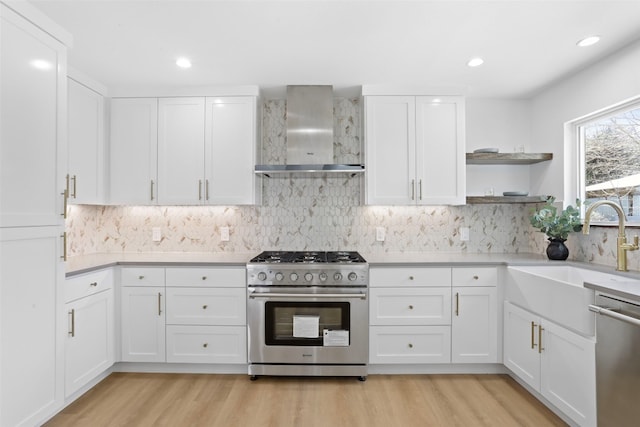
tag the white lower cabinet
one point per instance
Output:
(90, 340)
(554, 361)
(474, 318)
(206, 315)
(143, 324)
(410, 315)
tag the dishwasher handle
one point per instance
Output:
(614, 314)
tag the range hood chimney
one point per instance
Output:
(309, 134)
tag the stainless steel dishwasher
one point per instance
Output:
(617, 360)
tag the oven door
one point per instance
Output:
(308, 325)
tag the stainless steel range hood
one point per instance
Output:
(309, 134)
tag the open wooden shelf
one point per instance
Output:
(507, 158)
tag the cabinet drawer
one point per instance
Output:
(142, 276)
(87, 284)
(475, 276)
(206, 344)
(409, 276)
(410, 344)
(410, 306)
(206, 306)
(227, 277)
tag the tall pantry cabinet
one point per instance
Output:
(32, 163)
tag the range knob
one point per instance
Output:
(293, 277)
(352, 276)
(279, 276)
(337, 277)
(262, 276)
(323, 277)
(308, 277)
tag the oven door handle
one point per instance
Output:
(293, 295)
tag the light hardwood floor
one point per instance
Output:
(176, 400)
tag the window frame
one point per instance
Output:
(576, 129)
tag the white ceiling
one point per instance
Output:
(526, 44)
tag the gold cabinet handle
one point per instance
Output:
(206, 189)
(540, 347)
(75, 182)
(93, 284)
(420, 185)
(72, 332)
(64, 246)
(475, 277)
(410, 345)
(65, 202)
(410, 277)
(152, 183)
(140, 277)
(410, 307)
(204, 307)
(457, 304)
(159, 304)
(199, 189)
(533, 328)
(205, 345)
(204, 277)
(413, 189)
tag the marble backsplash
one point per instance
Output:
(321, 213)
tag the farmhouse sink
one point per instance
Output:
(557, 293)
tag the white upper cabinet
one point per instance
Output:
(184, 151)
(33, 124)
(133, 173)
(85, 144)
(414, 150)
(181, 151)
(230, 151)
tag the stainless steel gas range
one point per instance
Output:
(307, 314)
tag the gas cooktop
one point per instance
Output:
(313, 257)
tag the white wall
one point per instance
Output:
(610, 81)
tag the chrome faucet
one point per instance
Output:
(622, 244)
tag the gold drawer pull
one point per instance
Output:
(475, 277)
(140, 277)
(72, 332)
(204, 307)
(533, 328)
(93, 284)
(204, 277)
(410, 307)
(410, 345)
(205, 345)
(410, 277)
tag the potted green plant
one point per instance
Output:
(557, 225)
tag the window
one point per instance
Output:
(609, 150)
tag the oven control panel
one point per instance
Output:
(308, 275)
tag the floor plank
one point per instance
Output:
(194, 400)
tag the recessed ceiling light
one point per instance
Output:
(183, 63)
(474, 62)
(588, 41)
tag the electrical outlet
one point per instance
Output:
(156, 234)
(224, 234)
(464, 234)
(380, 234)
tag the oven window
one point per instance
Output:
(303, 323)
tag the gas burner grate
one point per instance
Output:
(308, 257)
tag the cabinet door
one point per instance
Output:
(133, 174)
(143, 322)
(230, 150)
(568, 373)
(521, 339)
(32, 325)
(440, 150)
(89, 345)
(390, 154)
(181, 151)
(85, 144)
(474, 325)
(33, 116)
